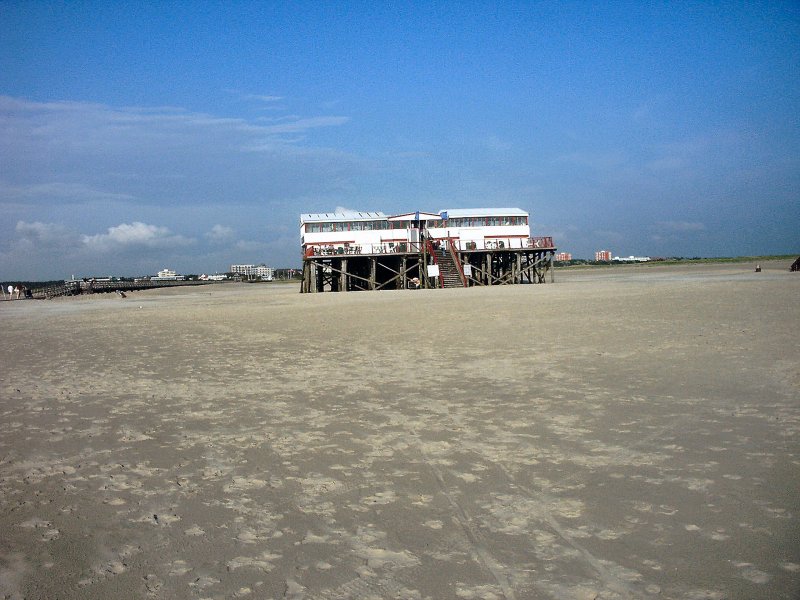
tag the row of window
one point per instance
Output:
(354, 226)
(479, 222)
(379, 225)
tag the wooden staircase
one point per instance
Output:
(448, 270)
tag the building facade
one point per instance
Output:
(168, 275)
(603, 256)
(376, 233)
(352, 250)
(631, 259)
(261, 271)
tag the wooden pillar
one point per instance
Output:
(424, 265)
(552, 273)
(373, 267)
(404, 276)
(343, 276)
(319, 281)
(528, 271)
(501, 265)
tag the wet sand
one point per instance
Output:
(623, 433)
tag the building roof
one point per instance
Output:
(416, 216)
(353, 215)
(349, 215)
(484, 212)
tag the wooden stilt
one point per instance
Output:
(394, 270)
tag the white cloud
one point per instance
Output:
(57, 190)
(87, 166)
(305, 124)
(44, 234)
(61, 152)
(497, 144)
(135, 234)
(681, 226)
(219, 233)
(263, 98)
(250, 246)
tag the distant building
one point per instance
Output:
(261, 271)
(631, 259)
(603, 256)
(563, 256)
(168, 275)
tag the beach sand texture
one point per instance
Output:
(623, 433)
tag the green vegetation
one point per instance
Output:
(676, 260)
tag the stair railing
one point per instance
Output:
(432, 252)
(451, 244)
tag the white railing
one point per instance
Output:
(494, 244)
(414, 247)
(350, 249)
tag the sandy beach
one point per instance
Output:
(623, 433)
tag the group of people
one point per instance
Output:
(16, 292)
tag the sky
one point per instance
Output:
(136, 136)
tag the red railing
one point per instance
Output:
(432, 251)
(451, 248)
(541, 242)
(346, 248)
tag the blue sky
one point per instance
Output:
(137, 136)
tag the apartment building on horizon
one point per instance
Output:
(603, 256)
(261, 271)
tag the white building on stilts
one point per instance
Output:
(345, 251)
